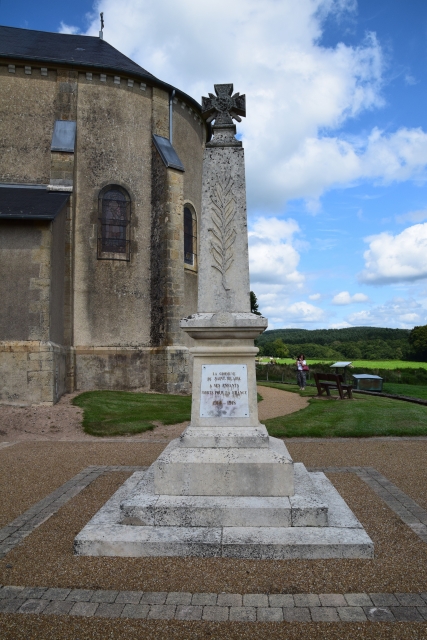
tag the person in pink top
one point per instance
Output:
(301, 375)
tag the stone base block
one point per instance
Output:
(306, 508)
(225, 437)
(308, 503)
(225, 472)
(143, 507)
(105, 536)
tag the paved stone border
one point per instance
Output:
(218, 607)
(407, 509)
(12, 534)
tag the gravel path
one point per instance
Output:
(63, 420)
(31, 470)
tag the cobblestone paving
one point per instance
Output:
(248, 607)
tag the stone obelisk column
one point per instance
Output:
(225, 450)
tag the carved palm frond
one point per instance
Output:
(223, 232)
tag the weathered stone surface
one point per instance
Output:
(105, 536)
(227, 472)
(309, 508)
(225, 437)
(144, 507)
(295, 542)
(211, 511)
(128, 541)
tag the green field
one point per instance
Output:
(364, 416)
(362, 364)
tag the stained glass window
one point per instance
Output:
(190, 237)
(113, 235)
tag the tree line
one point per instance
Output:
(352, 343)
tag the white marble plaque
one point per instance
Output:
(224, 391)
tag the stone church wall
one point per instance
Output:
(112, 302)
(32, 364)
(79, 322)
(27, 105)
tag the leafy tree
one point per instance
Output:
(351, 351)
(276, 349)
(418, 342)
(254, 304)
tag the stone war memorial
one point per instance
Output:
(225, 487)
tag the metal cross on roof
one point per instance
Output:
(224, 106)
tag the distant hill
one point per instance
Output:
(370, 343)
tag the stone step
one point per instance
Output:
(105, 536)
(144, 508)
(225, 437)
(308, 505)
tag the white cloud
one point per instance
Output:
(410, 80)
(284, 313)
(340, 325)
(412, 216)
(402, 257)
(323, 162)
(315, 296)
(402, 313)
(272, 256)
(345, 298)
(296, 88)
(305, 312)
(67, 28)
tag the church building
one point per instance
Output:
(100, 197)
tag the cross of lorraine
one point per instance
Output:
(224, 106)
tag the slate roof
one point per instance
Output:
(65, 48)
(75, 50)
(30, 203)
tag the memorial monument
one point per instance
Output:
(225, 487)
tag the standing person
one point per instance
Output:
(301, 363)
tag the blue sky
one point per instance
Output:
(335, 137)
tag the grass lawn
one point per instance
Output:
(114, 413)
(364, 416)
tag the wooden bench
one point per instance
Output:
(327, 381)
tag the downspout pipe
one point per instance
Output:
(171, 97)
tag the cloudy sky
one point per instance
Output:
(335, 136)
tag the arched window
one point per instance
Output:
(113, 224)
(190, 237)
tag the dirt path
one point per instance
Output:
(63, 420)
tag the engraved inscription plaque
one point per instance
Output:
(224, 391)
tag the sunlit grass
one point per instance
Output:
(364, 416)
(113, 413)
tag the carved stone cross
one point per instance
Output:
(224, 106)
